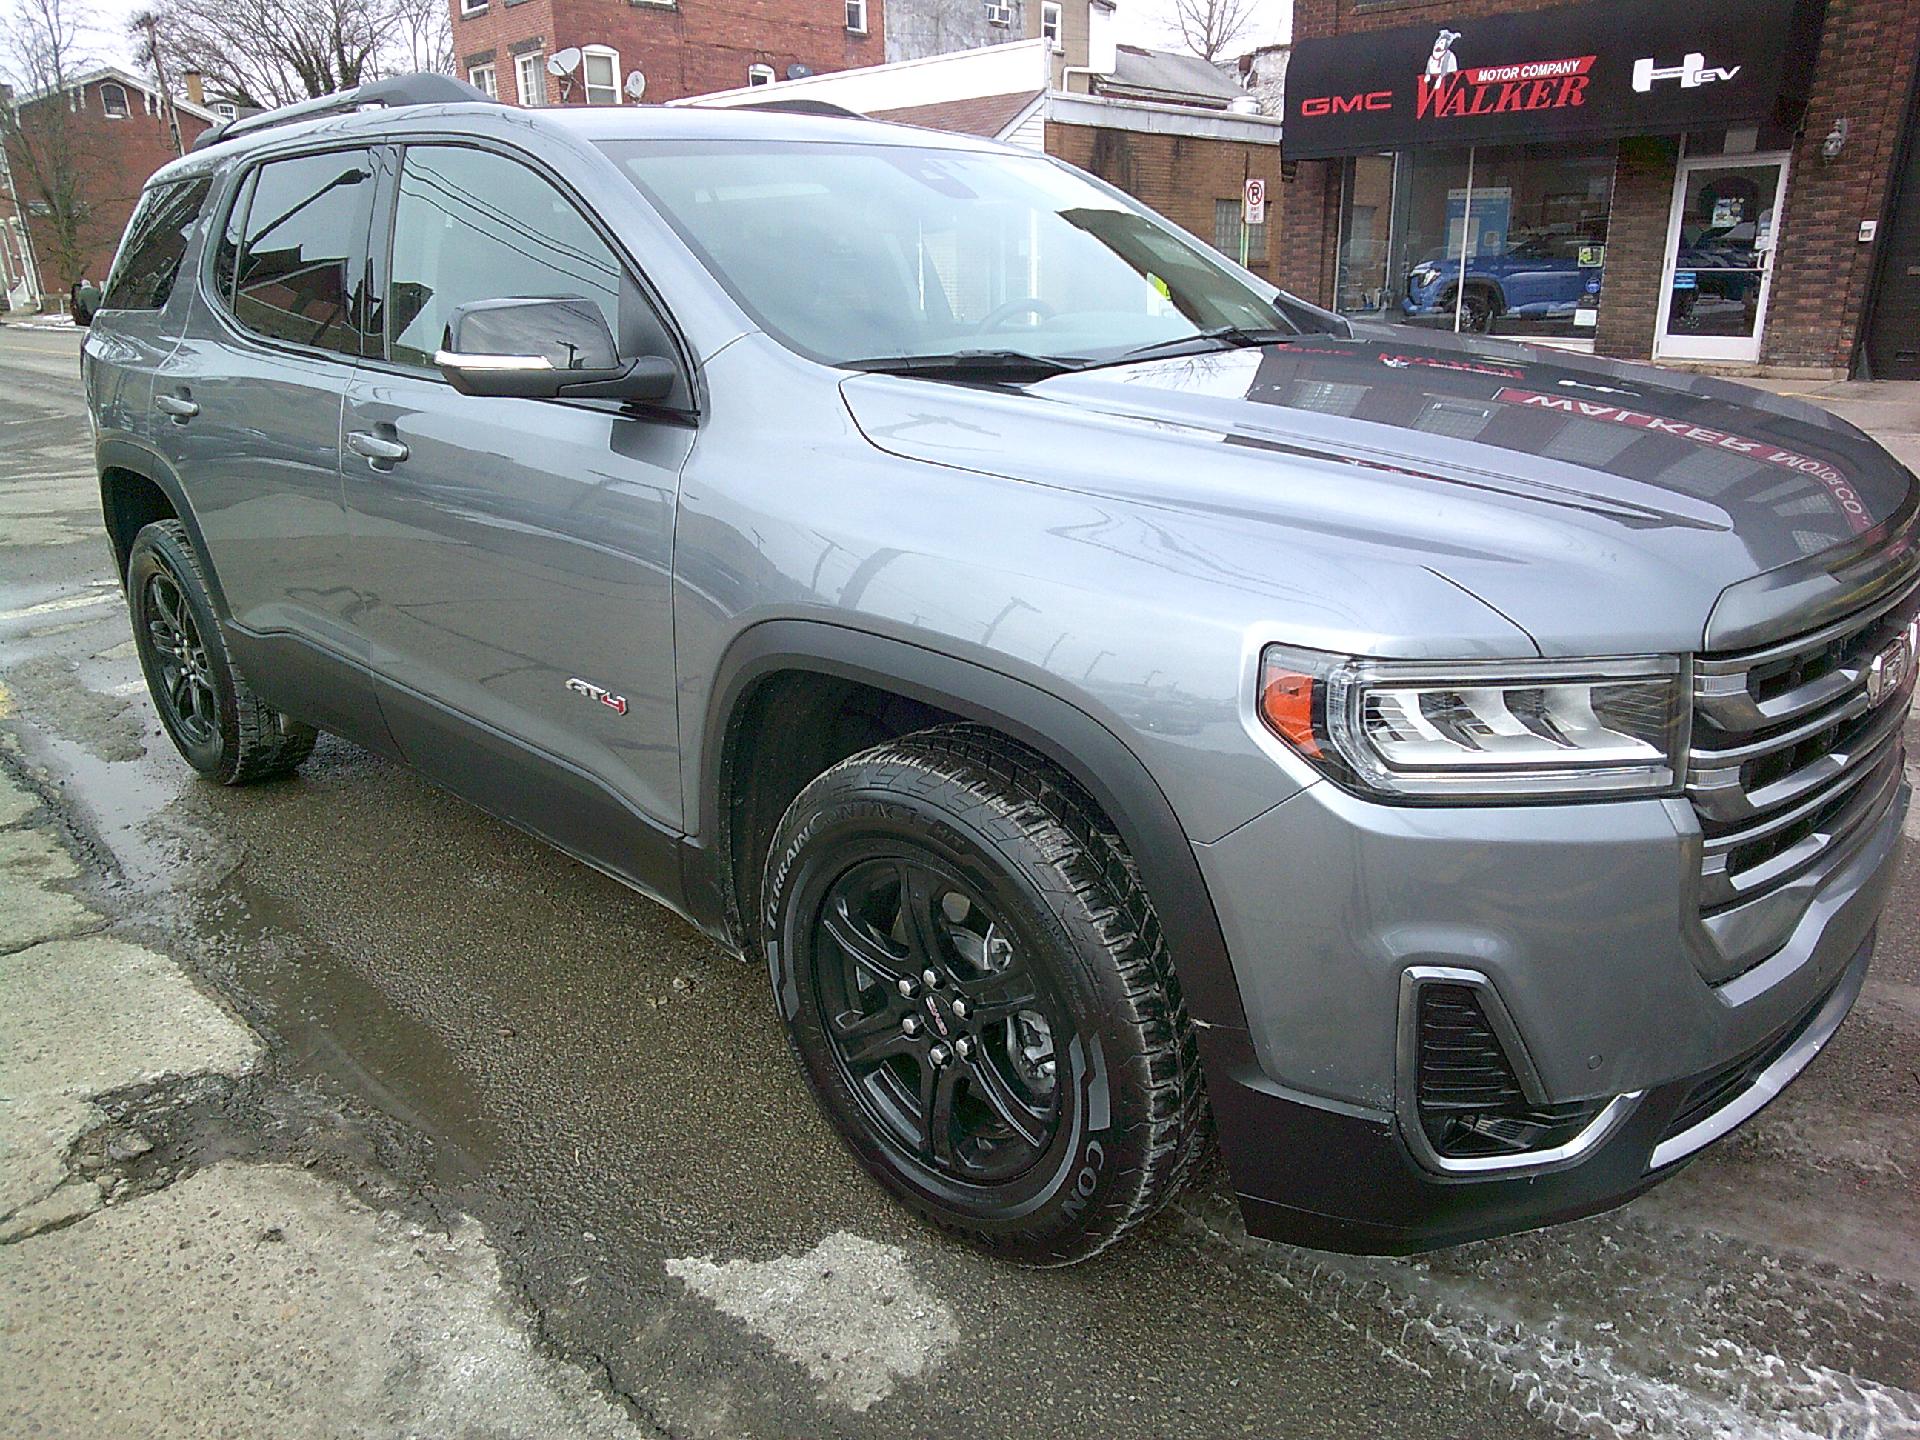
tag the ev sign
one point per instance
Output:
(1253, 205)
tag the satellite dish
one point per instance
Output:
(797, 71)
(563, 62)
(636, 85)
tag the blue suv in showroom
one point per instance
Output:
(1537, 278)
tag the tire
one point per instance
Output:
(1478, 310)
(1073, 1105)
(216, 722)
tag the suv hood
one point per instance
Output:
(1509, 471)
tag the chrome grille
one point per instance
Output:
(1790, 758)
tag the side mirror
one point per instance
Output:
(545, 349)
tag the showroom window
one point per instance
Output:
(1496, 239)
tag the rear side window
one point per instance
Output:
(472, 225)
(302, 253)
(156, 243)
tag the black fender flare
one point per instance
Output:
(1067, 735)
(113, 452)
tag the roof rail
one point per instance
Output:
(797, 106)
(395, 90)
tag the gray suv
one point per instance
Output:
(1123, 705)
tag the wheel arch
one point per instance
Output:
(948, 687)
(134, 481)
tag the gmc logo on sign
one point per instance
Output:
(1345, 104)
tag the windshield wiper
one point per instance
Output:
(1013, 365)
(1226, 337)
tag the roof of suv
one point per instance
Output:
(585, 123)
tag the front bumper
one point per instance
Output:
(1583, 921)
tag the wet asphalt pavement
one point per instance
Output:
(461, 1020)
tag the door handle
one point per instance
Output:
(178, 406)
(378, 449)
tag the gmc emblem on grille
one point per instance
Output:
(1887, 670)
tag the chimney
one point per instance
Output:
(196, 92)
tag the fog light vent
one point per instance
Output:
(1470, 1100)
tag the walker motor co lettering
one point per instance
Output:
(1582, 71)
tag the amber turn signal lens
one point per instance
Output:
(1286, 704)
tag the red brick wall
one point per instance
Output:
(1867, 56)
(489, 38)
(691, 48)
(1181, 176)
(1822, 271)
(115, 157)
(1636, 246)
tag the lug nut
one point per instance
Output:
(932, 978)
(963, 1047)
(910, 1026)
(906, 987)
(960, 1012)
(939, 1054)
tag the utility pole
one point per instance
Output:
(150, 23)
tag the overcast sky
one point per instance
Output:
(1142, 22)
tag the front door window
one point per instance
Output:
(1719, 258)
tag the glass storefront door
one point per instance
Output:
(1720, 257)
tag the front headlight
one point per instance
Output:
(1481, 730)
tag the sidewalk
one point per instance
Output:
(1888, 410)
(146, 1293)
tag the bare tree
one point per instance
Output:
(422, 38)
(1209, 27)
(263, 53)
(53, 155)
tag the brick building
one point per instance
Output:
(682, 47)
(115, 130)
(1722, 183)
(1170, 130)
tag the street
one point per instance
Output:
(439, 1132)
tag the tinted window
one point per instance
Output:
(471, 225)
(301, 260)
(227, 253)
(156, 243)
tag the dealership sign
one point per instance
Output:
(1628, 68)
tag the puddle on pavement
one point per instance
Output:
(334, 1023)
(169, 864)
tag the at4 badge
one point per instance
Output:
(615, 703)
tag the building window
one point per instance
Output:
(857, 16)
(759, 75)
(113, 101)
(530, 78)
(999, 13)
(1226, 232)
(1501, 239)
(600, 73)
(472, 7)
(482, 78)
(1050, 24)
(227, 110)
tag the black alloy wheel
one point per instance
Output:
(185, 694)
(942, 1028)
(211, 713)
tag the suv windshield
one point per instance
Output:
(869, 253)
